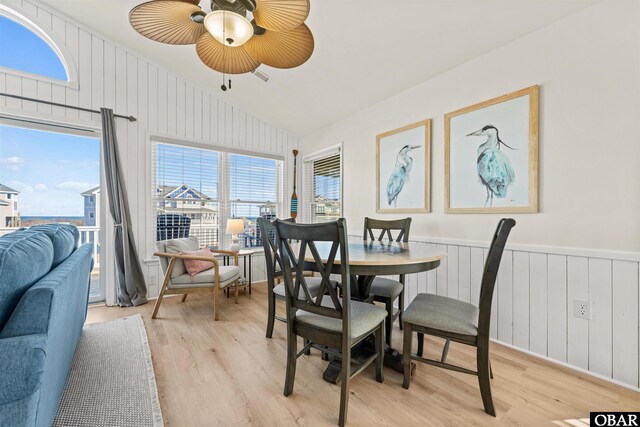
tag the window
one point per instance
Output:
(323, 186)
(46, 173)
(92, 215)
(92, 199)
(8, 196)
(23, 50)
(196, 190)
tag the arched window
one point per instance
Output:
(28, 51)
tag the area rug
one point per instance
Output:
(111, 382)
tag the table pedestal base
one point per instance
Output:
(360, 353)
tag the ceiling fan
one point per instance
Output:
(231, 36)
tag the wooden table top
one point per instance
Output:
(383, 253)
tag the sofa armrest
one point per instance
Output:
(22, 359)
(31, 315)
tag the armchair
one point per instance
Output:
(178, 282)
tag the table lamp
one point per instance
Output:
(235, 226)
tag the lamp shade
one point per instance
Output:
(228, 28)
(235, 226)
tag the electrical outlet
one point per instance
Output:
(582, 309)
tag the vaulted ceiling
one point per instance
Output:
(365, 51)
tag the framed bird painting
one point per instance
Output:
(491, 155)
(403, 158)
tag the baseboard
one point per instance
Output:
(566, 365)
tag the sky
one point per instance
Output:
(20, 49)
(50, 170)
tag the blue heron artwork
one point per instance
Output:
(494, 167)
(401, 174)
(491, 155)
(403, 157)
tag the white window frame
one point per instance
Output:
(223, 199)
(58, 46)
(306, 163)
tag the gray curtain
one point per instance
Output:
(132, 289)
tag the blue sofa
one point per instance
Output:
(44, 292)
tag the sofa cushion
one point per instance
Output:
(25, 257)
(64, 238)
(176, 246)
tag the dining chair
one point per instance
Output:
(388, 290)
(172, 254)
(275, 289)
(328, 323)
(458, 321)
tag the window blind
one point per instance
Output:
(323, 187)
(196, 190)
(186, 193)
(255, 190)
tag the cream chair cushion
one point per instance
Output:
(206, 279)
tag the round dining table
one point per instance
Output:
(368, 259)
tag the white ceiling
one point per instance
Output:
(366, 50)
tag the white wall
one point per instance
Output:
(588, 66)
(585, 242)
(164, 104)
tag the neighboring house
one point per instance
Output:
(268, 211)
(187, 201)
(326, 208)
(92, 207)
(9, 215)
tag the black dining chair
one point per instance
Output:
(458, 321)
(388, 290)
(275, 290)
(331, 324)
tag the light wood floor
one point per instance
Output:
(227, 373)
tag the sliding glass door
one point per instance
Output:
(47, 175)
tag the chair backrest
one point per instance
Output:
(172, 226)
(491, 266)
(176, 246)
(270, 245)
(385, 227)
(293, 257)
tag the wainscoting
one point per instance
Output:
(533, 308)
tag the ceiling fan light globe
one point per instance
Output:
(228, 28)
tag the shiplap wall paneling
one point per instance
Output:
(577, 328)
(505, 298)
(625, 322)
(521, 308)
(464, 273)
(600, 324)
(538, 309)
(557, 307)
(114, 77)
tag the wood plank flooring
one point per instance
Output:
(227, 373)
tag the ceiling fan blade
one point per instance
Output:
(225, 59)
(280, 15)
(168, 21)
(282, 49)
